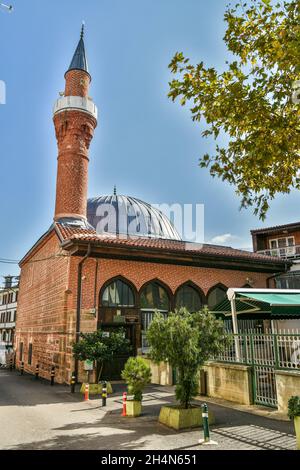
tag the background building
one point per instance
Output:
(282, 241)
(8, 313)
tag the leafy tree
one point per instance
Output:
(100, 347)
(137, 375)
(253, 102)
(294, 407)
(185, 340)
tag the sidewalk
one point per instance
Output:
(38, 416)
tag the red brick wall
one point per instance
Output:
(74, 132)
(140, 272)
(42, 308)
(48, 296)
(77, 83)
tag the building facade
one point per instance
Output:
(282, 241)
(112, 260)
(8, 314)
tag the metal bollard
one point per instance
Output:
(22, 368)
(104, 393)
(207, 440)
(205, 422)
(52, 375)
(124, 404)
(37, 369)
(11, 365)
(86, 392)
(73, 381)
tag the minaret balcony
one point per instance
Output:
(76, 102)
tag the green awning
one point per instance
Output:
(280, 304)
(259, 304)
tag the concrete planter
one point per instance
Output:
(133, 408)
(297, 430)
(179, 418)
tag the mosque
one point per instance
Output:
(111, 260)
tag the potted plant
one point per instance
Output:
(100, 347)
(294, 413)
(137, 375)
(185, 340)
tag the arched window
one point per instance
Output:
(154, 296)
(118, 294)
(216, 295)
(188, 297)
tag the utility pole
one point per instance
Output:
(8, 8)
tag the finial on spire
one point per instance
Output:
(82, 30)
(115, 190)
(79, 61)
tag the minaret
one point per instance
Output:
(75, 118)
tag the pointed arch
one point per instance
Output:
(189, 295)
(118, 291)
(216, 294)
(155, 294)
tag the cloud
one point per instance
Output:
(224, 239)
(231, 240)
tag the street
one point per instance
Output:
(34, 415)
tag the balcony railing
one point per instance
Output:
(76, 102)
(287, 252)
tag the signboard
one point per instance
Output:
(88, 365)
(119, 319)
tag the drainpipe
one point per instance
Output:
(95, 288)
(78, 307)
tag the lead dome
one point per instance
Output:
(125, 215)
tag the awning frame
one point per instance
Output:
(232, 295)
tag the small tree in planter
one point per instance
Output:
(294, 413)
(185, 340)
(100, 347)
(137, 375)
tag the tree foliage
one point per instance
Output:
(100, 347)
(137, 375)
(185, 340)
(252, 103)
(294, 407)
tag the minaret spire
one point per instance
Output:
(75, 118)
(79, 60)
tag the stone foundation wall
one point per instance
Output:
(229, 381)
(161, 374)
(287, 384)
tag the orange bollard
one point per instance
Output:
(86, 392)
(124, 404)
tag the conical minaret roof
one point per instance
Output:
(79, 61)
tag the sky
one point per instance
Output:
(144, 144)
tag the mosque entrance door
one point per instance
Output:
(112, 370)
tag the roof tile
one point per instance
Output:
(89, 235)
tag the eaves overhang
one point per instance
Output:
(155, 255)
